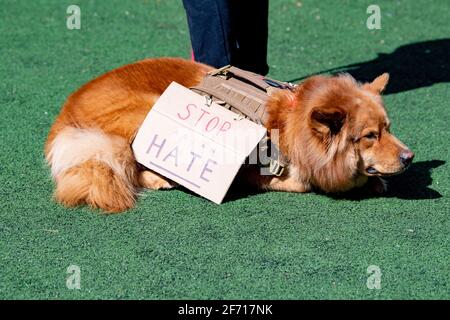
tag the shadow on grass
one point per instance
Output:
(413, 184)
(411, 66)
(237, 192)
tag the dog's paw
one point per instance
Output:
(154, 181)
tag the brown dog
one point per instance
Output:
(333, 130)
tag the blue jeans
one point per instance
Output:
(229, 32)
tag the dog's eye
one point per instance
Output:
(371, 135)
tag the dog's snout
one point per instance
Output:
(406, 157)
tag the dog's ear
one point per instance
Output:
(379, 84)
(327, 121)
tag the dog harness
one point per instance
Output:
(246, 94)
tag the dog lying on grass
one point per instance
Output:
(333, 130)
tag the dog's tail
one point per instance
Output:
(93, 168)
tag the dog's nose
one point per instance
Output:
(406, 157)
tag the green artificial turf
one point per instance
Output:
(272, 245)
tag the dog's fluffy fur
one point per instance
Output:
(334, 131)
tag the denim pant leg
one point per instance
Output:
(210, 31)
(229, 32)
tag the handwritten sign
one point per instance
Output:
(195, 143)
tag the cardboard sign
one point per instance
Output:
(194, 142)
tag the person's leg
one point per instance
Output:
(229, 32)
(210, 31)
(249, 21)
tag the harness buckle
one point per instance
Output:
(219, 71)
(208, 101)
(276, 168)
